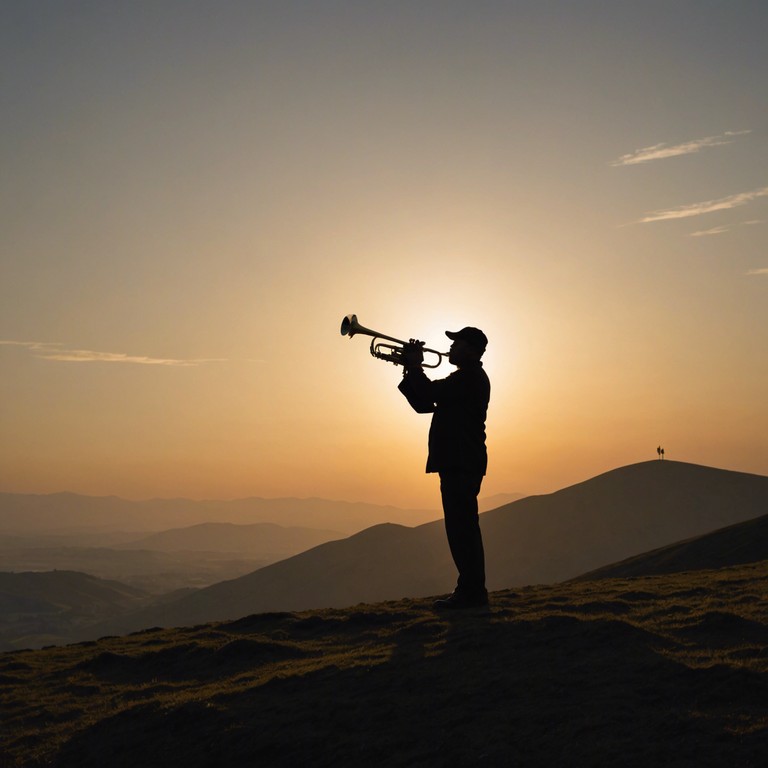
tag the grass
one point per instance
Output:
(666, 670)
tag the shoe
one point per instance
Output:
(462, 600)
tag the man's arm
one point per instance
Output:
(415, 385)
(417, 389)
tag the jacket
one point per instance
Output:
(459, 404)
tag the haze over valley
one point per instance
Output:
(217, 571)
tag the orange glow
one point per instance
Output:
(186, 221)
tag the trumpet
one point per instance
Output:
(390, 352)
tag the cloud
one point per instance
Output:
(663, 151)
(697, 209)
(762, 271)
(58, 352)
(705, 232)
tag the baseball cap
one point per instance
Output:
(473, 336)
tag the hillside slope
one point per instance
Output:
(380, 563)
(45, 608)
(734, 545)
(668, 670)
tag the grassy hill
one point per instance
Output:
(667, 670)
(46, 608)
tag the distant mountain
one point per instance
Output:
(260, 540)
(70, 539)
(734, 545)
(153, 571)
(538, 539)
(183, 557)
(65, 512)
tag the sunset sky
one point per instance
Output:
(193, 194)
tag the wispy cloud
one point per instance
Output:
(706, 232)
(697, 209)
(762, 271)
(61, 353)
(721, 229)
(664, 151)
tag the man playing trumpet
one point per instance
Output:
(457, 451)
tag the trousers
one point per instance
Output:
(459, 490)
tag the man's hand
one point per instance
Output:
(413, 353)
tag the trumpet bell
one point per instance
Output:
(348, 325)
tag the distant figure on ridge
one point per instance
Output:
(457, 451)
(660, 451)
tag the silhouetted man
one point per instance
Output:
(457, 452)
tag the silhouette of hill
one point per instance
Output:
(377, 564)
(741, 543)
(63, 512)
(537, 539)
(666, 670)
(615, 515)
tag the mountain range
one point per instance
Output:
(259, 540)
(65, 513)
(538, 539)
(634, 520)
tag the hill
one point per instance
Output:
(380, 563)
(615, 515)
(40, 608)
(669, 670)
(539, 539)
(734, 545)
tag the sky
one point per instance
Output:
(194, 194)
